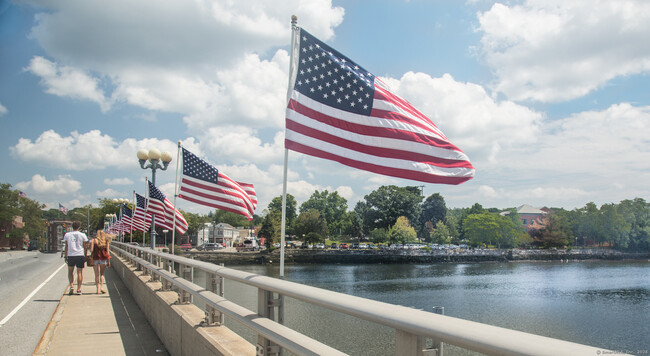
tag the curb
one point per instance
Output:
(44, 343)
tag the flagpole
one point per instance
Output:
(292, 75)
(178, 155)
(132, 217)
(146, 196)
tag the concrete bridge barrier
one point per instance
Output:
(181, 327)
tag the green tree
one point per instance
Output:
(230, 218)
(361, 211)
(613, 227)
(402, 232)
(481, 228)
(271, 227)
(555, 233)
(195, 222)
(332, 208)
(31, 211)
(440, 233)
(9, 203)
(310, 221)
(587, 223)
(386, 204)
(275, 207)
(434, 209)
(378, 235)
(637, 214)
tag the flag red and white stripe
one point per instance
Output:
(164, 210)
(202, 183)
(339, 111)
(141, 219)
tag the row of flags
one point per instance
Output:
(201, 183)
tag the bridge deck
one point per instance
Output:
(104, 324)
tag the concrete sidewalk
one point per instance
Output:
(99, 324)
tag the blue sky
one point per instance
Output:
(549, 99)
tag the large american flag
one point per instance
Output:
(63, 209)
(341, 112)
(203, 184)
(141, 219)
(164, 210)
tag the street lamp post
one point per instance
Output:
(120, 202)
(110, 218)
(155, 157)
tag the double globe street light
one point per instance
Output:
(155, 157)
(119, 202)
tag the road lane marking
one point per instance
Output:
(22, 304)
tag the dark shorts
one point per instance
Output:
(77, 261)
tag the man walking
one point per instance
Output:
(75, 254)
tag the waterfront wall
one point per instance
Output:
(409, 256)
(179, 326)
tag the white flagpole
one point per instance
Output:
(292, 79)
(135, 205)
(146, 196)
(178, 154)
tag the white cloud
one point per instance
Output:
(67, 81)
(62, 185)
(558, 50)
(81, 151)
(201, 59)
(110, 193)
(118, 181)
(599, 156)
(241, 145)
(3, 110)
(465, 111)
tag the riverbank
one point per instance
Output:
(299, 256)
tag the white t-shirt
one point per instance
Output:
(75, 241)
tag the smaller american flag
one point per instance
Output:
(22, 194)
(141, 220)
(203, 184)
(63, 209)
(160, 206)
(127, 217)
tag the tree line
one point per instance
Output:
(389, 214)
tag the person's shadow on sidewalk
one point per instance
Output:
(138, 337)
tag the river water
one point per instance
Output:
(603, 304)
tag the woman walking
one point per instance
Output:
(101, 258)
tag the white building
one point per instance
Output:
(219, 233)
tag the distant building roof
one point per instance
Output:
(527, 209)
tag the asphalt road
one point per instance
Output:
(31, 285)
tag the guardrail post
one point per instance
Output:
(437, 344)
(165, 284)
(414, 345)
(155, 260)
(266, 305)
(214, 284)
(185, 272)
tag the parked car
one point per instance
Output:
(343, 246)
(250, 245)
(333, 245)
(210, 246)
(354, 246)
(320, 246)
(32, 246)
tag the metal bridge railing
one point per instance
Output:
(412, 327)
